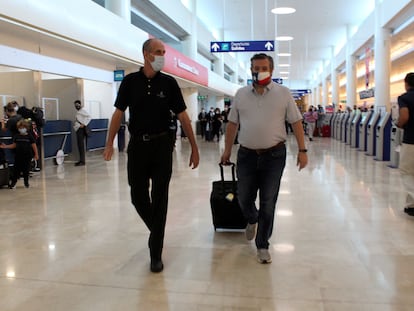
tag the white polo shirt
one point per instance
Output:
(262, 116)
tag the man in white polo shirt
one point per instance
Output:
(261, 110)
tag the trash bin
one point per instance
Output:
(121, 138)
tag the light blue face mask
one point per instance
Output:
(158, 63)
(23, 131)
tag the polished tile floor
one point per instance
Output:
(73, 241)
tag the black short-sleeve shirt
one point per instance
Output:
(24, 145)
(407, 100)
(150, 101)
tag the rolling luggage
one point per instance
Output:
(326, 131)
(4, 175)
(225, 206)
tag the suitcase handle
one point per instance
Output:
(232, 170)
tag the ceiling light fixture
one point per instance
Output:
(284, 65)
(283, 10)
(284, 54)
(284, 38)
(284, 72)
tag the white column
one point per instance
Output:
(318, 95)
(219, 65)
(314, 101)
(219, 62)
(324, 86)
(350, 72)
(190, 42)
(122, 8)
(382, 54)
(334, 80)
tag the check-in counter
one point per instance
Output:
(57, 136)
(99, 131)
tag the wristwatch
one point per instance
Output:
(303, 150)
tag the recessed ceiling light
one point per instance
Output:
(284, 54)
(284, 72)
(283, 10)
(284, 65)
(284, 38)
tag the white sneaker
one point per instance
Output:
(251, 231)
(263, 255)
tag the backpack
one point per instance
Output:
(38, 116)
(35, 114)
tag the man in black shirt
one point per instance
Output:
(150, 96)
(406, 122)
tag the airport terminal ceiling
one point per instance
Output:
(307, 49)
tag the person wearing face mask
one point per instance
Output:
(10, 123)
(261, 110)
(82, 119)
(25, 149)
(151, 96)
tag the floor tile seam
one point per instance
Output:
(71, 283)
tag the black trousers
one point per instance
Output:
(149, 173)
(22, 165)
(80, 137)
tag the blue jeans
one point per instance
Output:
(260, 172)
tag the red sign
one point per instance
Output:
(184, 67)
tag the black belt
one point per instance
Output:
(149, 137)
(261, 151)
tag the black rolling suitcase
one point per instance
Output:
(224, 203)
(4, 175)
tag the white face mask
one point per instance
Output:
(23, 130)
(16, 108)
(158, 63)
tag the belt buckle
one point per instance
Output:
(146, 137)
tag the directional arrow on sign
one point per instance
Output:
(215, 47)
(269, 46)
(241, 46)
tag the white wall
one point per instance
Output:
(98, 93)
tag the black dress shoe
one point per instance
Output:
(79, 163)
(156, 265)
(409, 211)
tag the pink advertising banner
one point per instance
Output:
(184, 67)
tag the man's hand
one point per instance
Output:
(225, 157)
(108, 152)
(194, 159)
(302, 160)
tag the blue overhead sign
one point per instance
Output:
(242, 46)
(119, 75)
(297, 94)
(301, 92)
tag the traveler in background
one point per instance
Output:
(36, 135)
(224, 117)
(25, 150)
(406, 122)
(310, 117)
(321, 118)
(82, 119)
(209, 125)
(202, 117)
(216, 124)
(150, 95)
(12, 117)
(261, 110)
